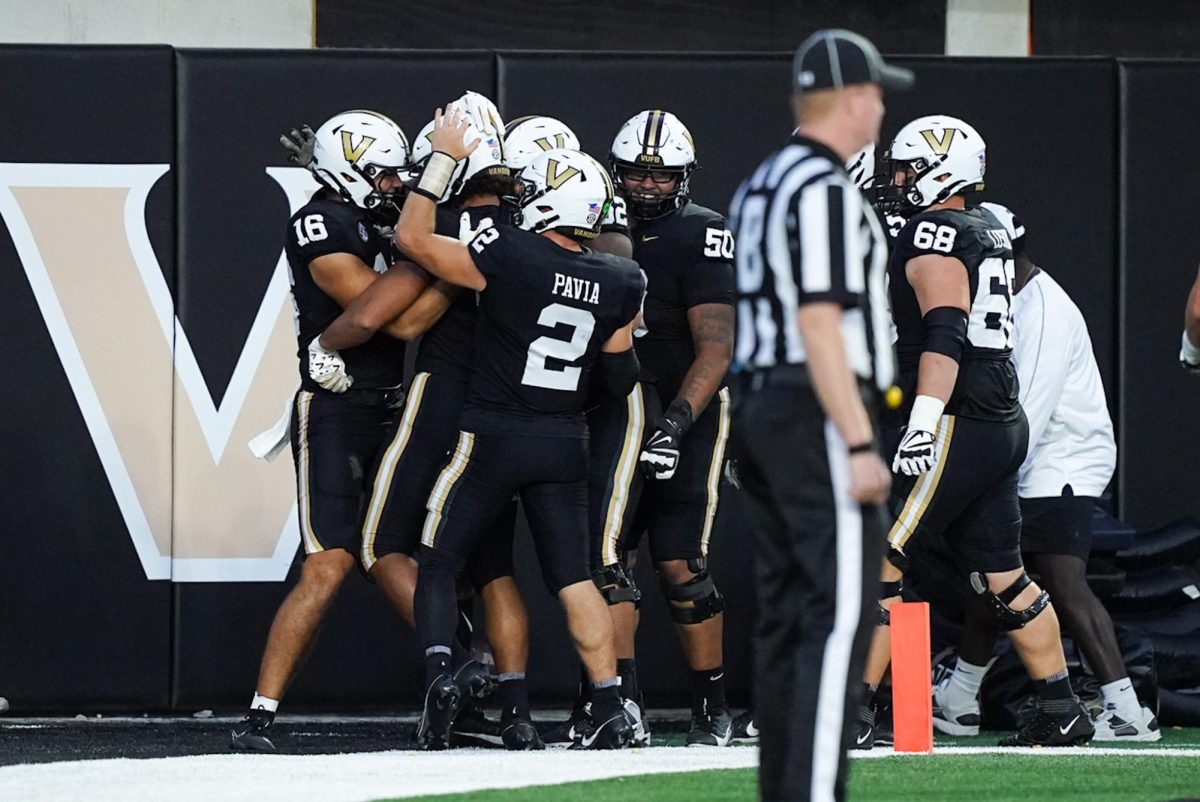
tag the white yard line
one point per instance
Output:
(375, 775)
(342, 778)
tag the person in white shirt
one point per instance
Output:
(1071, 458)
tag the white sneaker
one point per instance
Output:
(951, 716)
(641, 727)
(1111, 726)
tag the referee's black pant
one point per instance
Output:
(818, 559)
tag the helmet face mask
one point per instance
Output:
(931, 160)
(657, 145)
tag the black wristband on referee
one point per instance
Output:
(679, 415)
(862, 448)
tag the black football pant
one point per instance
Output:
(817, 567)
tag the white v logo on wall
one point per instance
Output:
(198, 506)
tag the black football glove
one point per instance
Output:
(660, 455)
(299, 143)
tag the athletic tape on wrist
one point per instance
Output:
(1189, 352)
(926, 412)
(436, 175)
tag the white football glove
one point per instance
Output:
(915, 454)
(467, 233)
(918, 448)
(327, 368)
(1189, 356)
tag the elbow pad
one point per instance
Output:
(945, 332)
(615, 374)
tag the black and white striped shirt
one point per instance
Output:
(805, 234)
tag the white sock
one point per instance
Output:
(264, 703)
(1119, 696)
(965, 681)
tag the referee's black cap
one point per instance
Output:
(834, 58)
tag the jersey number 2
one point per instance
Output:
(537, 372)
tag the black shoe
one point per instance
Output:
(443, 700)
(613, 733)
(1054, 729)
(475, 678)
(573, 729)
(519, 735)
(250, 733)
(865, 737)
(745, 730)
(711, 728)
(472, 728)
(885, 734)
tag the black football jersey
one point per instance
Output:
(324, 226)
(543, 318)
(448, 348)
(987, 381)
(688, 260)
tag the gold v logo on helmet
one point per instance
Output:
(354, 153)
(554, 178)
(544, 142)
(941, 144)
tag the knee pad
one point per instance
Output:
(886, 591)
(616, 586)
(1008, 618)
(695, 601)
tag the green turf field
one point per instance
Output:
(983, 777)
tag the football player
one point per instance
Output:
(950, 286)
(614, 483)
(685, 345)
(555, 323)
(445, 318)
(1071, 459)
(334, 252)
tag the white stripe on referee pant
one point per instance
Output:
(831, 696)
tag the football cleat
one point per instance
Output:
(250, 734)
(637, 718)
(475, 679)
(952, 716)
(1110, 726)
(1049, 729)
(864, 738)
(442, 703)
(519, 735)
(573, 729)
(745, 730)
(472, 728)
(711, 728)
(885, 734)
(614, 733)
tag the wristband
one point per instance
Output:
(862, 448)
(679, 415)
(1189, 352)
(926, 411)
(436, 176)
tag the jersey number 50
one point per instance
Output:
(537, 372)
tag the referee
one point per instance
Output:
(814, 354)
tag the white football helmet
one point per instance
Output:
(946, 156)
(654, 141)
(861, 167)
(351, 151)
(487, 159)
(564, 190)
(526, 137)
